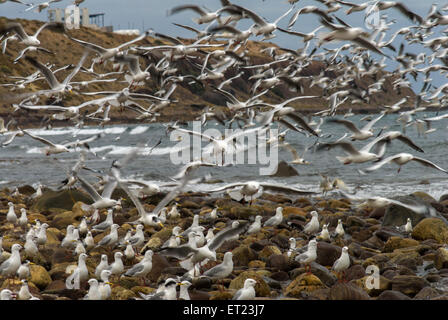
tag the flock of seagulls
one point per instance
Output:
(218, 57)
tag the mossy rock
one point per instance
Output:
(64, 199)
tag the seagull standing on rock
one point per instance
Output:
(342, 264)
(309, 256)
(247, 292)
(340, 229)
(255, 226)
(313, 226)
(276, 219)
(9, 267)
(11, 215)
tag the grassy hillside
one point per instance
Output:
(192, 99)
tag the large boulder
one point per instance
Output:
(64, 199)
(39, 276)
(431, 228)
(409, 285)
(347, 291)
(397, 215)
(285, 170)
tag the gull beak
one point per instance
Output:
(179, 236)
(160, 224)
(109, 283)
(32, 263)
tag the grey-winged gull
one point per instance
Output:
(142, 268)
(309, 256)
(103, 265)
(276, 219)
(255, 226)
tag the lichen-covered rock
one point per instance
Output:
(431, 228)
(303, 283)
(64, 199)
(397, 243)
(242, 255)
(268, 251)
(39, 276)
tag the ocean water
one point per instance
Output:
(23, 162)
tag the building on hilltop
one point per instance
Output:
(80, 18)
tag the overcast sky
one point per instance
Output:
(139, 14)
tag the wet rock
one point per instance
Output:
(377, 213)
(431, 228)
(441, 259)
(374, 242)
(261, 288)
(26, 190)
(347, 291)
(355, 221)
(392, 295)
(427, 293)
(243, 255)
(201, 283)
(257, 246)
(327, 253)
(409, 285)
(397, 215)
(281, 241)
(303, 283)
(379, 260)
(385, 233)
(410, 259)
(278, 262)
(280, 276)
(398, 242)
(284, 170)
(355, 272)
(323, 274)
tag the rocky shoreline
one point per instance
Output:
(413, 266)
